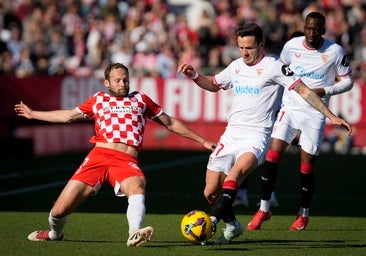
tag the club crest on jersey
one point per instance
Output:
(259, 71)
(287, 71)
(325, 57)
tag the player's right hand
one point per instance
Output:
(187, 70)
(23, 110)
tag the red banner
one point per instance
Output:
(203, 111)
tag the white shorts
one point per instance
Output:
(229, 149)
(289, 124)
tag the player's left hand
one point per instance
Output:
(209, 145)
(343, 123)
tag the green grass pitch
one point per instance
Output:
(175, 182)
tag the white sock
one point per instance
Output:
(265, 205)
(304, 212)
(213, 219)
(57, 226)
(230, 226)
(135, 212)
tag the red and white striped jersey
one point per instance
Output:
(120, 119)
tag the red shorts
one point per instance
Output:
(103, 164)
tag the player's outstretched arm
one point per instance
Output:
(205, 82)
(178, 127)
(315, 101)
(54, 116)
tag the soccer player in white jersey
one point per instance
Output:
(255, 80)
(120, 120)
(318, 62)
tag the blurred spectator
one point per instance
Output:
(24, 8)
(189, 54)
(200, 14)
(225, 19)
(248, 11)
(230, 50)
(274, 32)
(57, 52)
(290, 15)
(40, 57)
(15, 44)
(185, 35)
(338, 29)
(25, 66)
(6, 66)
(124, 54)
(211, 44)
(144, 61)
(94, 41)
(7, 10)
(111, 9)
(166, 63)
(89, 33)
(71, 23)
(33, 25)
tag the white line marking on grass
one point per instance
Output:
(32, 188)
(146, 168)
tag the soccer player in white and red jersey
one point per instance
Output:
(120, 119)
(318, 62)
(255, 80)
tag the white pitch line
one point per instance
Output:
(32, 188)
(147, 168)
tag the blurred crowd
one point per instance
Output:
(152, 36)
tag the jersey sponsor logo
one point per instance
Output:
(345, 61)
(287, 71)
(244, 89)
(301, 72)
(120, 109)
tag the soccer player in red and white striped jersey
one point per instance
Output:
(120, 119)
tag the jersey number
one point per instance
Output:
(219, 147)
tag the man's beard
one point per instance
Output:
(118, 93)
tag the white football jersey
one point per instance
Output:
(317, 68)
(256, 95)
